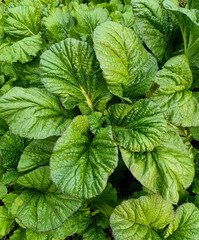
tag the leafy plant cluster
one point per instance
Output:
(99, 120)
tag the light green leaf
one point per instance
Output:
(82, 169)
(59, 22)
(7, 222)
(22, 50)
(36, 154)
(33, 112)
(9, 200)
(138, 219)
(70, 70)
(93, 233)
(22, 21)
(179, 104)
(88, 18)
(185, 225)
(154, 24)
(137, 127)
(11, 148)
(127, 67)
(165, 170)
(44, 208)
(10, 175)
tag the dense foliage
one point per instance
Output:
(99, 119)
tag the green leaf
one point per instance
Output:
(30, 235)
(3, 127)
(7, 222)
(11, 148)
(10, 175)
(3, 190)
(8, 201)
(88, 18)
(33, 113)
(137, 127)
(22, 50)
(36, 154)
(59, 22)
(165, 170)
(22, 21)
(44, 208)
(195, 132)
(189, 25)
(180, 105)
(19, 234)
(127, 67)
(154, 24)
(70, 70)
(82, 169)
(185, 224)
(93, 233)
(77, 223)
(106, 201)
(138, 219)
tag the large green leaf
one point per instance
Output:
(59, 22)
(33, 113)
(127, 67)
(189, 25)
(44, 208)
(70, 70)
(179, 104)
(185, 224)
(81, 163)
(166, 170)
(11, 148)
(36, 154)
(155, 25)
(22, 21)
(22, 50)
(138, 219)
(137, 127)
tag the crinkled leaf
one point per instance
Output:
(22, 21)
(33, 112)
(165, 170)
(30, 235)
(77, 223)
(138, 219)
(22, 50)
(185, 224)
(3, 190)
(19, 234)
(36, 154)
(154, 24)
(11, 148)
(7, 222)
(137, 127)
(59, 22)
(44, 208)
(81, 164)
(180, 105)
(11, 175)
(70, 70)
(127, 67)
(93, 233)
(88, 18)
